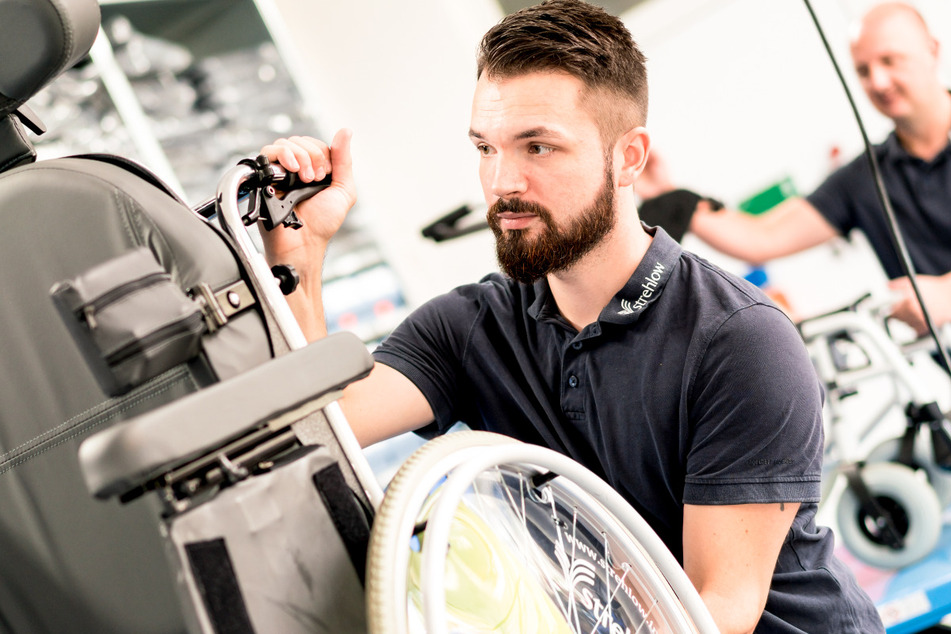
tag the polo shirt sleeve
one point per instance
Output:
(427, 348)
(835, 197)
(756, 415)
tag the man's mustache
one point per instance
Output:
(518, 206)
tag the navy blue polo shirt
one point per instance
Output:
(920, 195)
(690, 388)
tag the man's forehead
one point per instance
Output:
(528, 106)
(893, 32)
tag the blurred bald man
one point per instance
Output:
(897, 61)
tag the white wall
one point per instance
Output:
(742, 94)
(401, 75)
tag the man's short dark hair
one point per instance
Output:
(573, 37)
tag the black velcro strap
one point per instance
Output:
(673, 211)
(346, 514)
(218, 585)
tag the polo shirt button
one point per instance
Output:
(572, 381)
(576, 345)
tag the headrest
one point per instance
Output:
(39, 39)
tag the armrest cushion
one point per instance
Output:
(130, 454)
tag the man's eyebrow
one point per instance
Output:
(531, 133)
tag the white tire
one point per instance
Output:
(912, 505)
(577, 553)
(940, 479)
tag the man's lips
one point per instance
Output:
(885, 99)
(511, 220)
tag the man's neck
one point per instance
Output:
(927, 136)
(583, 291)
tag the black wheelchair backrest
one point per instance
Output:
(71, 563)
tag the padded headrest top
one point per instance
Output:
(39, 39)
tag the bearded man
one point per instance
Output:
(680, 385)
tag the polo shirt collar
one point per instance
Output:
(892, 149)
(647, 283)
(893, 152)
(640, 292)
(544, 304)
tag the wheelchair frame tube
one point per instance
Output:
(230, 215)
(273, 298)
(891, 360)
(894, 360)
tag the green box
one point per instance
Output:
(769, 197)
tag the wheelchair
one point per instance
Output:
(149, 357)
(889, 487)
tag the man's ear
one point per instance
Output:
(632, 149)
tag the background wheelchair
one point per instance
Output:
(887, 462)
(148, 355)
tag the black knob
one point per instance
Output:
(286, 276)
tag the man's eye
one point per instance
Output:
(484, 149)
(535, 148)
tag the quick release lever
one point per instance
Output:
(266, 186)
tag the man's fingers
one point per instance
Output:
(899, 284)
(342, 158)
(307, 156)
(316, 164)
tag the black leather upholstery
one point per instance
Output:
(68, 562)
(39, 39)
(15, 146)
(71, 563)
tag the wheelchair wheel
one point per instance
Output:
(940, 479)
(909, 501)
(538, 543)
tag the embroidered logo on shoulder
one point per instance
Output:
(647, 291)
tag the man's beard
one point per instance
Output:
(526, 259)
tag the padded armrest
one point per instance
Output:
(39, 39)
(130, 454)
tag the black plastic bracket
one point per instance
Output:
(885, 527)
(445, 228)
(30, 119)
(930, 414)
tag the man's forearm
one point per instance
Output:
(305, 255)
(321, 216)
(790, 227)
(307, 305)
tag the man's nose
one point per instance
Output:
(878, 78)
(506, 177)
